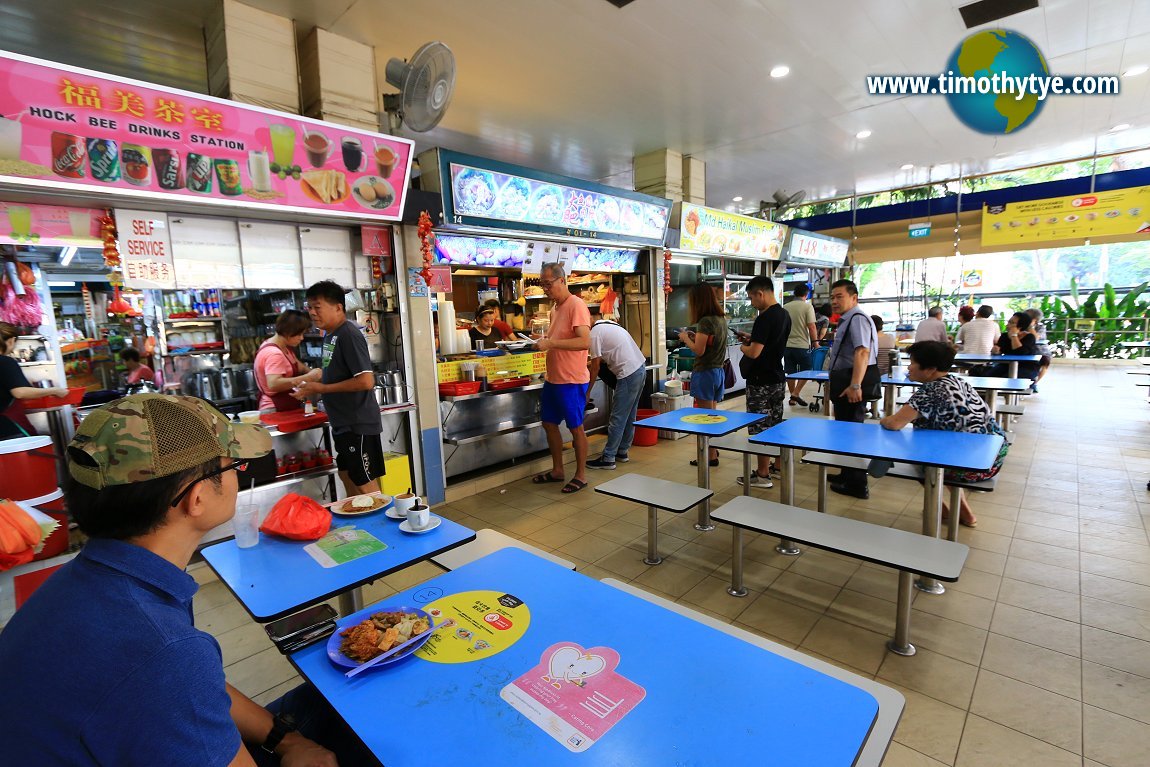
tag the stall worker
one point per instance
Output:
(612, 347)
(15, 387)
(709, 343)
(277, 368)
(852, 358)
(346, 388)
(564, 395)
(484, 329)
(762, 367)
(137, 371)
(803, 339)
(505, 330)
(132, 682)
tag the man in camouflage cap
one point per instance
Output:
(131, 681)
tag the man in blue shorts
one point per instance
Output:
(802, 340)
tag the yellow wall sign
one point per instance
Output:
(497, 368)
(1116, 212)
(706, 230)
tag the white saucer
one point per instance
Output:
(394, 513)
(433, 523)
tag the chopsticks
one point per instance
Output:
(388, 654)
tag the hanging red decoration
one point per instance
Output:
(667, 272)
(108, 235)
(426, 244)
(118, 305)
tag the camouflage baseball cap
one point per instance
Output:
(148, 436)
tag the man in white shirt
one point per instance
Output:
(932, 328)
(979, 335)
(613, 347)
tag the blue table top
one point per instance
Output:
(684, 668)
(673, 421)
(927, 447)
(978, 382)
(967, 357)
(809, 375)
(277, 577)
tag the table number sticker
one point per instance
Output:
(574, 695)
(704, 419)
(473, 625)
(343, 545)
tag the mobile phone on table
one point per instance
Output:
(298, 623)
(306, 638)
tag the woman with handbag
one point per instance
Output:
(277, 369)
(709, 343)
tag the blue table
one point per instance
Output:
(277, 577)
(933, 450)
(822, 376)
(988, 387)
(1013, 359)
(682, 666)
(674, 421)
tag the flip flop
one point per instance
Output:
(545, 477)
(573, 486)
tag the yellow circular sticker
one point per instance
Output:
(704, 419)
(471, 625)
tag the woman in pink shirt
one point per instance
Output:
(277, 368)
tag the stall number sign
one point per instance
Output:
(918, 231)
(146, 249)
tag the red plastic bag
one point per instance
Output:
(297, 517)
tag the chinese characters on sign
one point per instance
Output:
(146, 249)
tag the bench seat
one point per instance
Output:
(655, 494)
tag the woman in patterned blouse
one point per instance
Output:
(947, 403)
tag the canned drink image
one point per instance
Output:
(228, 172)
(137, 162)
(104, 159)
(68, 153)
(199, 173)
(169, 174)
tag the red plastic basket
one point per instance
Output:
(459, 387)
(75, 396)
(509, 383)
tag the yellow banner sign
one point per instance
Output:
(497, 368)
(1116, 212)
(706, 230)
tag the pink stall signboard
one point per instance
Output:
(25, 224)
(68, 128)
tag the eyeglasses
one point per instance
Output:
(236, 465)
(545, 284)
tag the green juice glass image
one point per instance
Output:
(20, 219)
(283, 144)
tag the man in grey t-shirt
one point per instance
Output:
(932, 328)
(855, 349)
(803, 338)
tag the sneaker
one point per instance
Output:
(599, 463)
(773, 472)
(756, 481)
(622, 458)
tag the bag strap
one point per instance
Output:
(838, 353)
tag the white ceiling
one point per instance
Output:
(579, 87)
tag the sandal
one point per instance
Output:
(573, 486)
(546, 477)
(713, 462)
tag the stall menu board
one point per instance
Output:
(70, 128)
(1100, 214)
(482, 192)
(326, 255)
(271, 256)
(47, 225)
(807, 249)
(145, 249)
(205, 252)
(459, 250)
(706, 230)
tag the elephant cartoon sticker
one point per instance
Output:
(571, 664)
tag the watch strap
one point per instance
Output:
(281, 726)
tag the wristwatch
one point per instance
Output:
(280, 727)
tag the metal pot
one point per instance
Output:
(207, 384)
(381, 396)
(227, 381)
(245, 381)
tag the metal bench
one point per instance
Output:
(1005, 412)
(488, 541)
(909, 553)
(655, 494)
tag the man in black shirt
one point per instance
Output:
(348, 380)
(762, 366)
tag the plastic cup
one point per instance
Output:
(247, 527)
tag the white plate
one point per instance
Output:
(432, 523)
(336, 509)
(377, 203)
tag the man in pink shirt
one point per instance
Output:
(564, 395)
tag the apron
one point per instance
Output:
(282, 400)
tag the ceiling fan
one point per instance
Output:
(781, 201)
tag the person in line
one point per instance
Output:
(979, 334)
(1018, 339)
(565, 384)
(709, 343)
(612, 347)
(14, 387)
(965, 315)
(133, 682)
(823, 323)
(804, 337)
(137, 371)
(855, 349)
(506, 332)
(762, 367)
(932, 328)
(276, 367)
(1042, 343)
(947, 403)
(484, 329)
(346, 388)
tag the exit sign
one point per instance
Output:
(919, 230)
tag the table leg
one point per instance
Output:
(822, 489)
(989, 396)
(888, 401)
(901, 645)
(704, 459)
(1013, 369)
(931, 516)
(351, 602)
(787, 495)
(736, 589)
(827, 398)
(652, 557)
(955, 502)
(746, 473)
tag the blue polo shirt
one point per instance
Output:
(102, 666)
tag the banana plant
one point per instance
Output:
(1127, 316)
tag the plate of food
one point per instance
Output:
(325, 186)
(364, 635)
(547, 204)
(359, 505)
(373, 192)
(515, 345)
(514, 200)
(475, 192)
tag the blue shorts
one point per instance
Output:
(796, 360)
(708, 385)
(563, 403)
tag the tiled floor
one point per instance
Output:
(1038, 655)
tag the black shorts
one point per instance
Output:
(360, 455)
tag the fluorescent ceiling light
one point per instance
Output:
(782, 70)
(66, 256)
(862, 134)
(60, 284)
(1120, 127)
(908, 166)
(1134, 71)
(736, 199)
